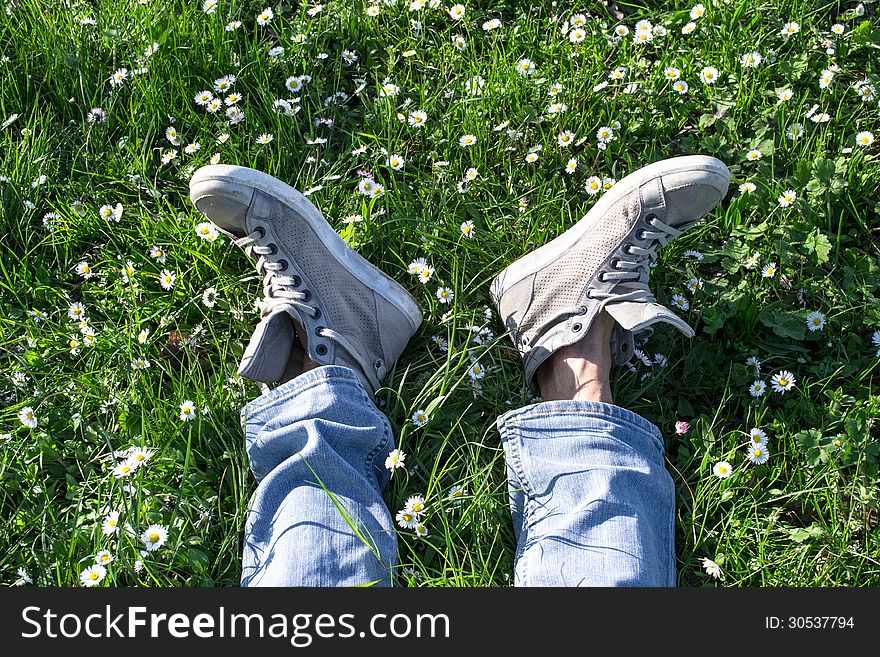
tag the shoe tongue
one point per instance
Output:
(266, 356)
(638, 315)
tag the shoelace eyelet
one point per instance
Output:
(283, 264)
(317, 314)
(297, 281)
(577, 327)
(306, 296)
(261, 231)
(273, 249)
(321, 350)
(651, 218)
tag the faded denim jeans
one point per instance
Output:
(591, 500)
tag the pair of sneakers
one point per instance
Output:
(324, 301)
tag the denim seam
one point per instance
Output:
(596, 415)
(383, 442)
(515, 464)
(593, 409)
(649, 435)
(669, 536)
(310, 381)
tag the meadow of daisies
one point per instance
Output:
(442, 141)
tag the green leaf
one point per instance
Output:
(685, 409)
(801, 534)
(815, 186)
(824, 169)
(763, 145)
(712, 320)
(808, 442)
(750, 231)
(818, 244)
(793, 67)
(347, 234)
(785, 325)
(865, 34)
(706, 121)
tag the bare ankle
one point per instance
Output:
(581, 371)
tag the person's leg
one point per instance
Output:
(592, 502)
(317, 446)
(332, 327)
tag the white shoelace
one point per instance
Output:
(633, 274)
(279, 292)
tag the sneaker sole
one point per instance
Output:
(355, 264)
(540, 258)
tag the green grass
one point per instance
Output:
(807, 517)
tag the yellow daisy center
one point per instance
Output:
(154, 537)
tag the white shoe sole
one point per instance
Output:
(540, 258)
(368, 274)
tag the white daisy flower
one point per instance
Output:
(757, 454)
(722, 469)
(92, 575)
(420, 418)
(154, 537)
(710, 566)
(783, 381)
(815, 321)
(395, 459)
(709, 75)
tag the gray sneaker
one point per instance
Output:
(351, 313)
(549, 297)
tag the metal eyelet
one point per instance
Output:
(321, 350)
(283, 264)
(577, 327)
(624, 346)
(273, 249)
(317, 314)
(318, 329)
(378, 365)
(640, 234)
(261, 231)
(306, 295)
(601, 277)
(650, 217)
(297, 281)
(614, 262)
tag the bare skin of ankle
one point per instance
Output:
(581, 371)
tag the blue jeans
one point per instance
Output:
(592, 502)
